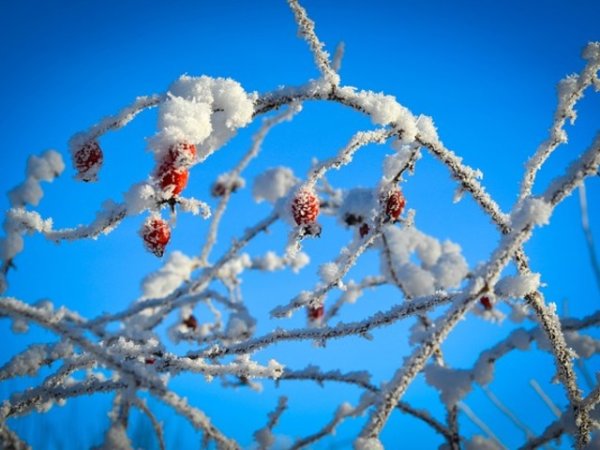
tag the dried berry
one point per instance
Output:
(191, 322)
(352, 219)
(394, 204)
(315, 312)
(87, 159)
(363, 230)
(486, 303)
(305, 207)
(156, 234)
(218, 189)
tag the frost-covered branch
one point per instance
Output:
(343, 412)
(306, 28)
(10, 439)
(228, 183)
(264, 437)
(130, 351)
(396, 313)
(156, 425)
(570, 91)
(523, 224)
(361, 379)
(481, 424)
(116, 121)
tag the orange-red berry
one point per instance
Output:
(87, 159)
(156, 234)
(173, 180)
(305, 207)
(394, 204)
(172, 173)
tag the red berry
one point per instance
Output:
(305, 207)
(394, 204)
(172, 173)
(150, 361)
(486, 303)
(316, 312)
(363, 230)
(156, 234)
(181, 154)
(191, 322)
(173, 180)
(87, 159)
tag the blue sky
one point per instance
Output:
(484, 71)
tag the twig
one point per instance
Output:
(587, 231)
(549, 403)
(480, 423)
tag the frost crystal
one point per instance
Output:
(517, 286)
(533, 211)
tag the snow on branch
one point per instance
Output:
(570, 91)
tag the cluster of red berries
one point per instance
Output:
(87, 160)
(172, 173)
(156, 234)
(172, 176)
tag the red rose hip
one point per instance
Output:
(172, 173)
(156, 234)
(305, 207)
(87, 159)
(172, 180)
(181, 154)
(394, 204)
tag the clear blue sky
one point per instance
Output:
(485, 71)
